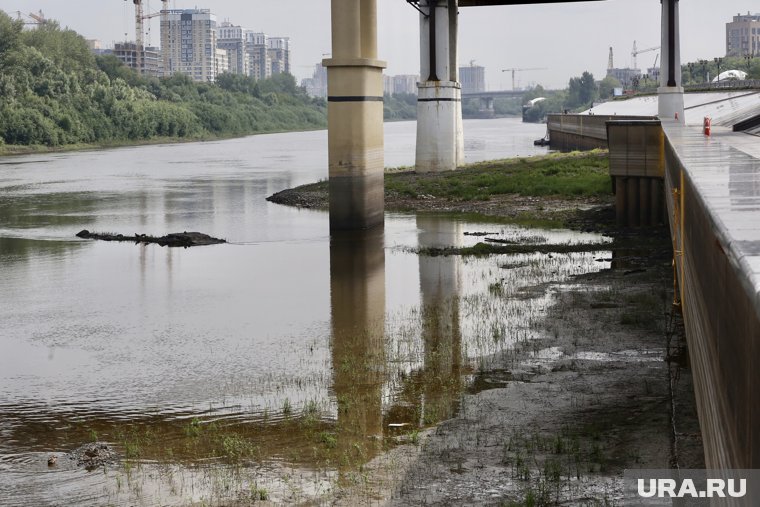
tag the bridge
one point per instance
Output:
(709, 187)
(487, 97)
(355, 103)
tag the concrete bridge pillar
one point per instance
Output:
(355, 117)
(486, 106)
(670, 92)
(440, 143)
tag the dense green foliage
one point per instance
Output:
(555, 175)
(400, 106)
(54, 92)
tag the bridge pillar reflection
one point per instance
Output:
(357, 297)
(441, 332)
(440, 142)
(355, 117)
(670, 92)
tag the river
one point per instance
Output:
(306, 356)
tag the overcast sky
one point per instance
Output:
(564, 38)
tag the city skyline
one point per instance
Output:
(567, 39)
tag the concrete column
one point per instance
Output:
(632, 202)
(645, 202)
(621, 194)
(440, 143)
(355, 117)
(656, 202)
(670, 92)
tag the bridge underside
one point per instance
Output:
(486, 3)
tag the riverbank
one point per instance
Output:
(605, 386)
(552, 190)
(9, 150)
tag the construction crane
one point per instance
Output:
(520, 70)
(139, 30)
(654, 67)
(639, 51)
(37, 19)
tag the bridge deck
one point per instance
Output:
(483, 3)
(713, 190)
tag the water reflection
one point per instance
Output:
(441, 333)
(224, 355)
(357, 297)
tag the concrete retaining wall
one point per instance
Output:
(637, 164)
(718, 293)
(568, 132)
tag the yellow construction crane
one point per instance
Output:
(520, 70)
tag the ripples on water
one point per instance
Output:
(303, 354)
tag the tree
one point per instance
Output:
(10, 32)
(607, 87)
(581, 91)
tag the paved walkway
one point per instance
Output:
(725, 169)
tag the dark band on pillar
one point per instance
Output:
(672, 43)
(357, 98)
(443, 99)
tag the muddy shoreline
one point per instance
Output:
(546, 210)
(605, 389)
(607, 386)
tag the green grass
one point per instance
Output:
(562, 175)
(481, 249)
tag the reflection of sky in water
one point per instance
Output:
(119, 333)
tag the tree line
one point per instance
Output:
(54, 92)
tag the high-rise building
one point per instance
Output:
(473, 78)
(388, 85)
(278, 49)
(152, 62)
(221, 62)
(188, 40)
(743, 35)
(316, 86)
(405, 83)
(256, 48)
(232, 39)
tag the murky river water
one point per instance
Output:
(279, 362)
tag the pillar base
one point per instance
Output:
(670, 102)
(440, 140)
(355, 141)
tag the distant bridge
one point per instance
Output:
(487, 98)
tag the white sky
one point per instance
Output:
(565, 38)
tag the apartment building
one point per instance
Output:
(188, 41)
